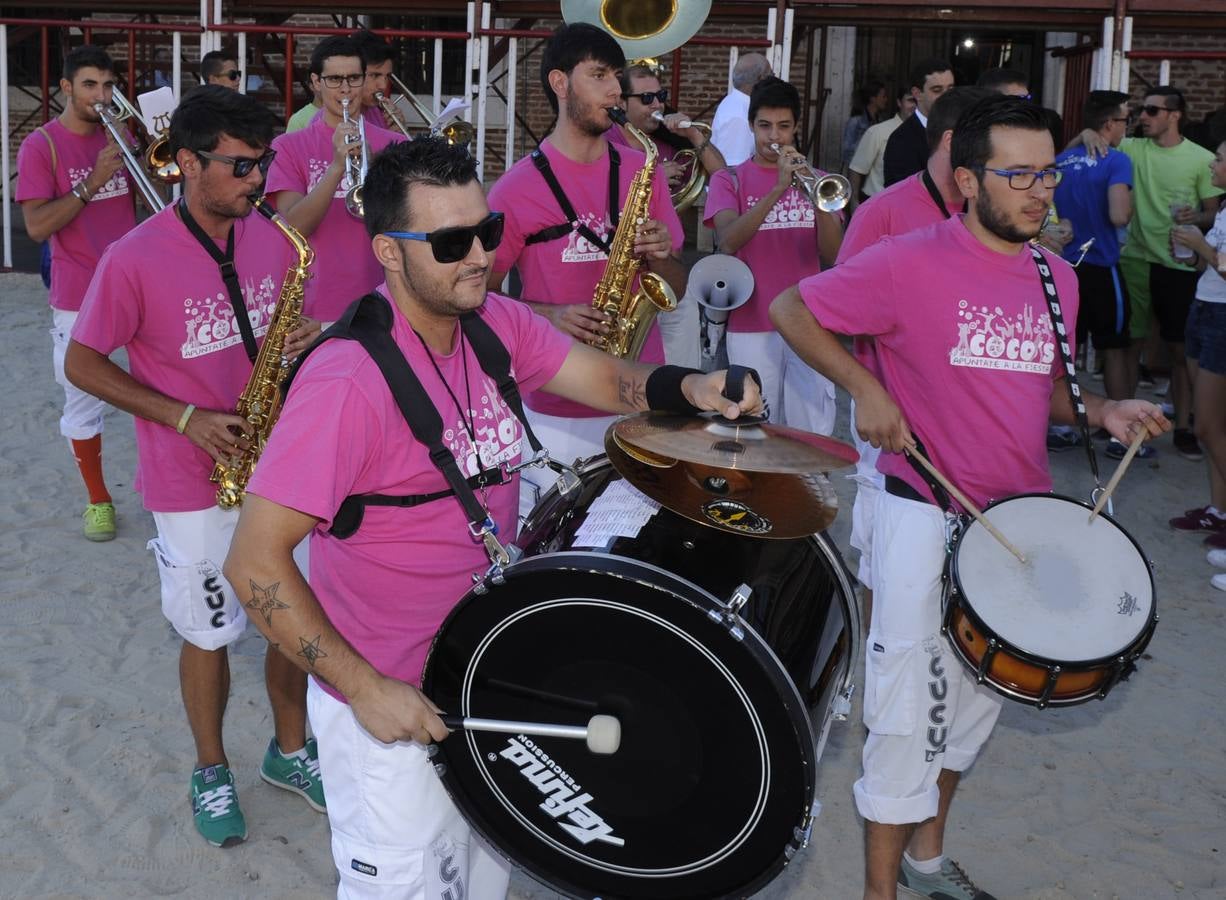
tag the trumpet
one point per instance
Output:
(829, 193)
(156, 157)
(456, 132)
(355, 170)
(684, 197)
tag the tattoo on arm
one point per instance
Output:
(311, 651)
(632, 392)
(264, 601)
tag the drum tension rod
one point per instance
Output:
(729, 614)
(1053, 675)
(985, 664)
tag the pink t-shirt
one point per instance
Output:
(782, 251)
(964, 346)
(75, 248)
(345, 267)
(566, 269)
(177, 322)
(388, 587)
(615, 136)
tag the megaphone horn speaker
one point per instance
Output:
(721, 283)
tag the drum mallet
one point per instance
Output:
(603, 734)
(1118, 474)
(966, 503)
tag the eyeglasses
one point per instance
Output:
(232, 74)
(1120, 119)
(357, 79)
(452, 244)
(645, 97)
(242, 164)
(1024, 179)
(1151, 110)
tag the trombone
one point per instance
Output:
(120, 110)
(829, 193)
(456, 132)
(355, 171)
(683, 198)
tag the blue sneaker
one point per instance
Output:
(950, 883)
(215, 807)
(297, 773)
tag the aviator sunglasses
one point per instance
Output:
(242, 164)
(451, 245)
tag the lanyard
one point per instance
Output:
(931, 187)
(229, 275)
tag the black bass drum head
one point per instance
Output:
(711, 788)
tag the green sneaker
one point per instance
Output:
(99, 522)
(951, 883)
(298, 773)
(215, 807)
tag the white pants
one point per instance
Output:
(869, 483)
(566, 439)
(679, 329)
(923, 710)
(190, 550)
(395, 832)
(798, 396)
(82, 417)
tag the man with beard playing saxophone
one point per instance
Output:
(190, 348)
(562, 205)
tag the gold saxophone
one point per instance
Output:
(260, 401)
(631, 312)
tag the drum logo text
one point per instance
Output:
(562, 797)
(736, 516)
(1128, 605)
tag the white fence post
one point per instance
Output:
(4, 160)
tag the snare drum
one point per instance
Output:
(724, 657)
(1063, 627)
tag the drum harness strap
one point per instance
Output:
(572, 223)
(369, 321)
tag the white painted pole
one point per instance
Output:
(242, 61)
(771, 55)
(483, 84)
(787, 43)
(1164, 72)
(1125, 63)
(438, 77)
(469, 51)
(204, 24)
(4, 158)
(1102, 78)
(217, 17)
(512, 78)
(733, 55)
(176, 85)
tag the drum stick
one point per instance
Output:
(603, 734)
(1118, 474)
(966, 503)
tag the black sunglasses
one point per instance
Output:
(1151, 110)
(451, 245)
(243, 164)
(232, 74)
(645, 97)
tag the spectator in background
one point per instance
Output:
(730, 129)
(220, 67)
(906, 151)
(380, 62)
(871, 102)
(866, 170)
(1006, 81)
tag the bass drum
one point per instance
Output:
(724, 696)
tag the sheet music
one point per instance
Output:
(621, 510)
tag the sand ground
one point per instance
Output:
(1124, 798)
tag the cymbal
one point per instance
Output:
(774, 505)
(724, 444)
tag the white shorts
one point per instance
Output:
(679, 329)
(869, 483)
(566, 439)
(797, 395)
(190, 550)
(82, 417)
(395, 832)
(923, 710)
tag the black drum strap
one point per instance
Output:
(572, 223)
(939, 494)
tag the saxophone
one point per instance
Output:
(260, 401)
(631, 312)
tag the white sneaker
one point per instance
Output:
(1219, 581)
(1217, 558)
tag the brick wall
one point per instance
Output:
(1202, 81)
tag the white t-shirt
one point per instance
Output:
(730, 131)
(1212, 287)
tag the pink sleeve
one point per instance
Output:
(287, 173)
(512, 232)
(866, 229)
(35, 177)
(537, 348)
(854, 298)
(662, 208)
(721, 195)
(110, 312)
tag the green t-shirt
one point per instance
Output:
(1160, 176)
(302, 118)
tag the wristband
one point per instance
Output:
(183, 419)
(663, 390)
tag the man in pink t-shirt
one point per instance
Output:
(73, 191)
(967, 361)
(378, 594)
(769, 224)
(189, 360)
(560, 262)
(310, 179)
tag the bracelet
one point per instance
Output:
(701, 147)
(187, 414)
(81, 192)
(664, 392)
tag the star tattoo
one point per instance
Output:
(264, 601)
(310, 650)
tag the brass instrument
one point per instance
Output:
(260, 402)
(631, 312)
(113, 115)
(683, 198)
(641, 27)
(355, 171)
(829, 193)
(456, 132)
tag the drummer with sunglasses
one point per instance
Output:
(377, 596)
(220, 67)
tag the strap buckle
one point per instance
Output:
(568, 476)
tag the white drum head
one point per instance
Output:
(1084, 593)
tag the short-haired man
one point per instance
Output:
(906, 152)
(761, 216)
(74, 192)
(559, 232)
(311, 178)
(920, 296)
(376, 598)
(220, 67)
(730, 131)
(189, 361)
(380, 63)
(871, 102)
(1005, 81)
(866, 171)
(1095, 198)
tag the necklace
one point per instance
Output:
(466, 419)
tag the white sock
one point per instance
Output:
(300, 753)
(925, 866)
